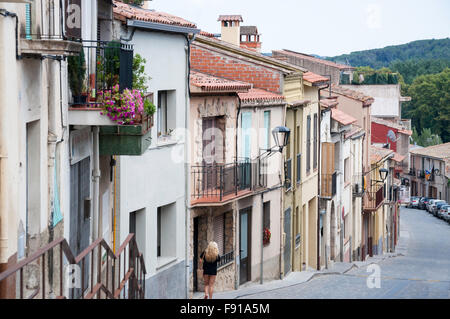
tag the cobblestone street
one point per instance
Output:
(420, 268)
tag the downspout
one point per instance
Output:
(96, 230)
(282, 199)
(187, 162)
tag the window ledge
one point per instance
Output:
(165, 140)
(164, 261)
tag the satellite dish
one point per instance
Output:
(391, 136)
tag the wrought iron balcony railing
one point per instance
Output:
(374, 198)
(219, 182)
(226, 259)
(100, 66)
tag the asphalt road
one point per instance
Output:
(422, 270)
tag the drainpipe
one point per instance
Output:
(187, 163)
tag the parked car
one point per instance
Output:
(414, 202)
(423, 202)
(437, 207)
(430, 202)
(446, 213)
(442, 211)
(433, 206)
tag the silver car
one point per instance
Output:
(433, 207)
(430, 202)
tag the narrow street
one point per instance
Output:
(420, 269)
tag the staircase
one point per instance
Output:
(97, 272)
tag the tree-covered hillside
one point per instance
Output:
(378, 58)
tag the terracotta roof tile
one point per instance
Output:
(314, 78)
(123, 11)
(207, 34)
(210, 83)
(355, 130)
(367, 100)
(314, 59)
(258, 95)
(342, 117)
(378, 153)
(398, 158)
(248, 29)
(233, 17)
(440, 151)
(329, 102)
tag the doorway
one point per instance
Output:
(80, 214)
(244, 245)
(287, 246)
(195, 259)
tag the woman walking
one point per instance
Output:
(210, 257)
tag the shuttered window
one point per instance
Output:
(308, 143)
(219, 232)
(315, 142)
(288, 173)
(299, 167)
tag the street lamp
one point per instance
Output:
(383, 174)
(281, 137)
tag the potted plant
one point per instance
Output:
(77, 77)
(266, 236)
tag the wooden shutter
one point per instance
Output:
(327, 158)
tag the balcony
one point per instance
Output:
(100, 80)
(219, 184)
(412, 172)
(373, 198)
(328, 185)
(44, 39)
(358, 185)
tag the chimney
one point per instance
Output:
(231, 28)
(250, 38)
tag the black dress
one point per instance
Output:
(209, 268)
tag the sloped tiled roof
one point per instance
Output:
(248, 29)
(398, 158)
(123, 11)
(355, 95)
(378, 153)
(440, 151)
(261, 96)
(232, 17)
(355, 130)
(211, 83)
(314, 59)
(314, 78)
(342, 117)
(207, 34)
(328, 102)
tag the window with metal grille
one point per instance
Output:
(219, 233)
(266, 212)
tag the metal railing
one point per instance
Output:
(374, 197)
(226, 259)
(113, 272)
(101, 66)
(220, 180)
(328, 185)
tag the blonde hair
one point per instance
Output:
(211, 252)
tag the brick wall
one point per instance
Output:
(220, 65)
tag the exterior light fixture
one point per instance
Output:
(383, 174)
(281, 137)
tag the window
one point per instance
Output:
(166, 116)
(347, 170)
(288, 173)
(299, 167)
(308, 143)
(166, 231)
(347, 228)
(297, 227)
(266, 217)
(219, 233)
(266, 129)
(315, 142)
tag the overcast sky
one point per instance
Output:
(324, 27)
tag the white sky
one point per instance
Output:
(324, 27)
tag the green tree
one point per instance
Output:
(426, 138)
(430, 103)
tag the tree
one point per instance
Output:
(426, 138)
(430, 103)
